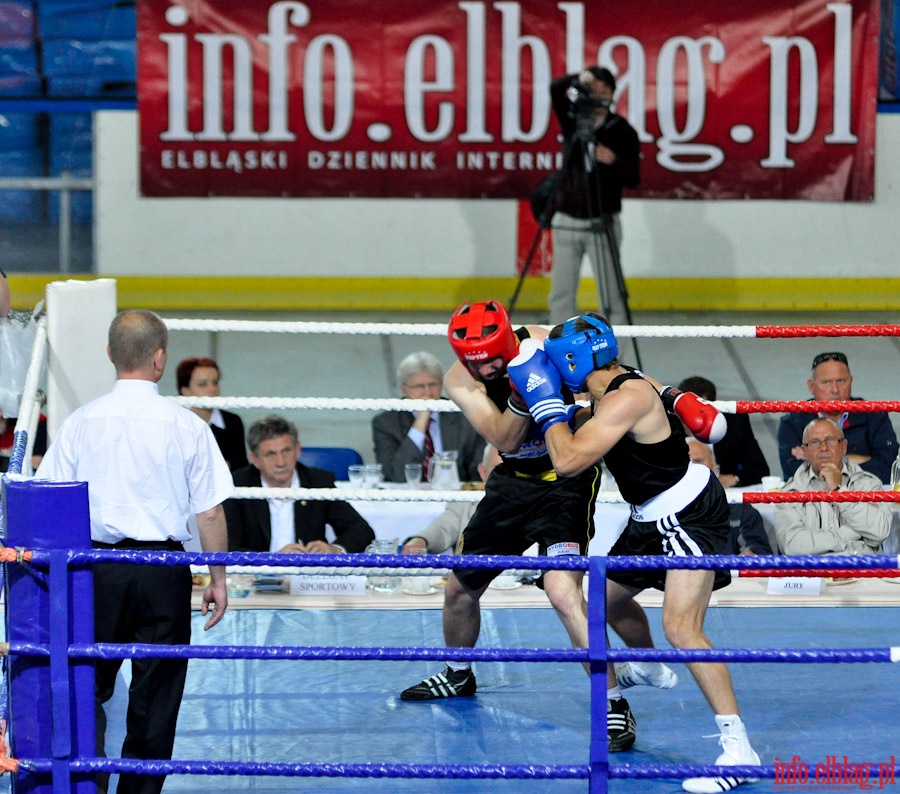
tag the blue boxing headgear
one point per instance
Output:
(577, 353)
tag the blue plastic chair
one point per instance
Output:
(334, 459)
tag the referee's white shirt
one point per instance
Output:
(149, 464)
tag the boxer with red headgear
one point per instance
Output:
(678, 509)
(524, 500)
(482, 337)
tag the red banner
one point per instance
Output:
(758, 99)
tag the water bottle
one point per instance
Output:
(895, 474)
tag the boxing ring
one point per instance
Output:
(50, 647)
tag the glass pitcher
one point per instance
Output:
(442, 471)
(379, 583)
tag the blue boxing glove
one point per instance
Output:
(539, 384)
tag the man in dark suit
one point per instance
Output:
(403, 437)
(284, 525)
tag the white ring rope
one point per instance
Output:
(285, 327)
(439, 329)
(397, 495)
(299, 403)
(353, 404)
(360, 494)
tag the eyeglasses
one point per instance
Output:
(823, 357)
(815, 443)
(432, 384)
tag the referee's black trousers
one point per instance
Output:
(142, 604)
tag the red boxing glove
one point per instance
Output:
(702, 418)
(515, 402)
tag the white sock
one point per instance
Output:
(459, 667)
(614, 694)
(729, 723)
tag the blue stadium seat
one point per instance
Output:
(97, 86)
(114, 59)
(19, 131)
(86, 19)
(335, 459)
(16, 20)
(18, 58)
(20, 85)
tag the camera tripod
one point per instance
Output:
(543, 207)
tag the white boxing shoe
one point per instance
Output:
(736, 752)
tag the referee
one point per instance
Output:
(149, 464)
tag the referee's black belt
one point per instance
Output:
(145, 545)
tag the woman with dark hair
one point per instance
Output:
(199, 377)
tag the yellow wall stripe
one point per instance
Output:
(272, 293)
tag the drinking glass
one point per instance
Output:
(356, 475)
(413, 473)
(373, 475)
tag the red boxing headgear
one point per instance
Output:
(479, 332)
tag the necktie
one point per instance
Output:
(428, 449)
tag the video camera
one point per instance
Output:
(583, 101)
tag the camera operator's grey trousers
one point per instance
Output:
(573, 239)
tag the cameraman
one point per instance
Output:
(602, 155)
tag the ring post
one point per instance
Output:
(599, 781)
(51, 699)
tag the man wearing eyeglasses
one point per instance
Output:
(870, 439)
(402, 437)
(830, 527)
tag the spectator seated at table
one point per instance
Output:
(830, 527)
(199, 377)
(748, 533)
(871, 441)
(442, 534)
(403, 437)
(289, 525)
(738, 455)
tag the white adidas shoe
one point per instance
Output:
(654, 674)
(736, 752)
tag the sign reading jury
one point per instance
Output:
(768, 98)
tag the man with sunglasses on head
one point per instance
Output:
(826, 527)
(870, 437)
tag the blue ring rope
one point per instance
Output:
(379, 654)
(41, 559)
(400, 771)
(83, 558)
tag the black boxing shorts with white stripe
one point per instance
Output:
(521, 509)
(699, 528)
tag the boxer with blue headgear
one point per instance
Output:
(583, 344)
(678, 509)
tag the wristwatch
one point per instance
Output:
(737, 481)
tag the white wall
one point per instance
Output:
(437, 237)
